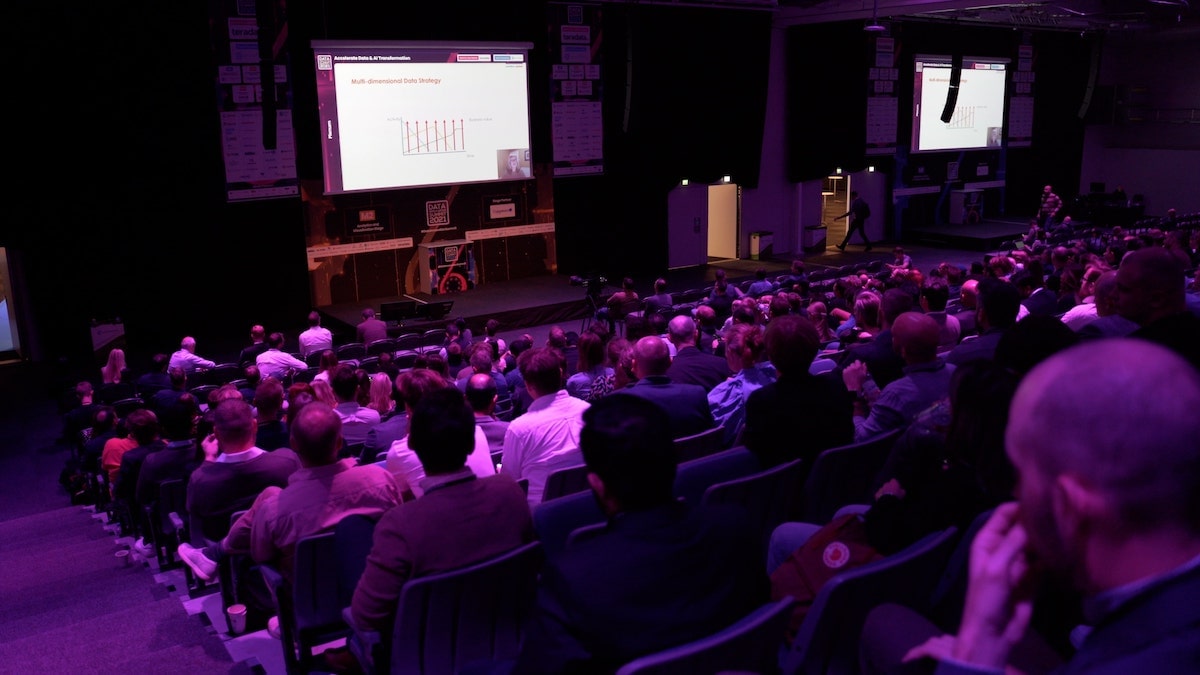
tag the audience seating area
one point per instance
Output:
(477, 614)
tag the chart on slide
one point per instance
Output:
(429, 137)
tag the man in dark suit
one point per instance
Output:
(858, 214)
(999, 302)
(799, 414)
(1130, 546)
(459, 520)
(684, 405)
(1036, 298)
(690, 365)
(661, 573)
(258, 345)
(371, 328)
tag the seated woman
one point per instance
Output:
(591, 365)
(745, 351)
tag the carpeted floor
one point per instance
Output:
(69, 605)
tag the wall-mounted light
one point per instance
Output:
(838, 171)
(870, 169)
(726, 179)
(684, 182)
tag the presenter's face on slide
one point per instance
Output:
(514, 160)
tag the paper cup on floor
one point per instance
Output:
(123, 558)
(237, 619)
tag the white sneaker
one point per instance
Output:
(199, 563)
(273, 628)
(143, 549)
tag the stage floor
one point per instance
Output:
(552, 300)
(986, 235)
(536, 301)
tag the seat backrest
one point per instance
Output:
(127, 405)
(828, 639)
(377, 347)
(172, 498)
(434, 337)
(317, 602)
(556, 519)
(409, 341)
(351, 351)
(750, 645)
(769, 496)
(224, 373)
(845, 475)
(693, 478)
(473, 614)
(353, 537)
(566, 481)
(313, 359)
(700, 445)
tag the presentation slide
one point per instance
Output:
(978, 117)
(408, 115)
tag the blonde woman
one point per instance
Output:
(381, 395)
(115, 370)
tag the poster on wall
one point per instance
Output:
(254, 98)
(576, 95)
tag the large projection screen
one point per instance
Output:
(408, 114)
(978, 118)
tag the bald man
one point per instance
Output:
(187, 359)
(690, 365)
(1151, 292)
(1104, 322)
(967, 296)
(1112, 508)
(926, 379)
(685, 406)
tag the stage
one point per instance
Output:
(533, 301)
(986, 235)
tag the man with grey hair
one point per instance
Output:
(1112, 508)
(690, 365)
(187, 359)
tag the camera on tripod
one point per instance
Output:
(592, 284)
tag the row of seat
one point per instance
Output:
(475, 614)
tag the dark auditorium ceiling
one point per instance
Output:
(1105, 16)
(1066, 15)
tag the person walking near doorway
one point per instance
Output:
(858, 214)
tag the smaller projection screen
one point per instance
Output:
(978, 118)
(407, 114)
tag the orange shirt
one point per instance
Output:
(110, 457)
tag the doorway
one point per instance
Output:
(703, 223)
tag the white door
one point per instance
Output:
(687, 226)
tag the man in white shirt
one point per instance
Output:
(317, 338)
(546, 437)
(275, 362)
(187, 359)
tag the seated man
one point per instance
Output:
(481, 395)
(660, 574)
(546, 437)
(357, 419)
(684, 406)
(926, 380)
(276, 363)
(461, 519)
(799, 414)
(317, 496)
(1110, 509)
(402, 459)
(239, 472)
(690, 365)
